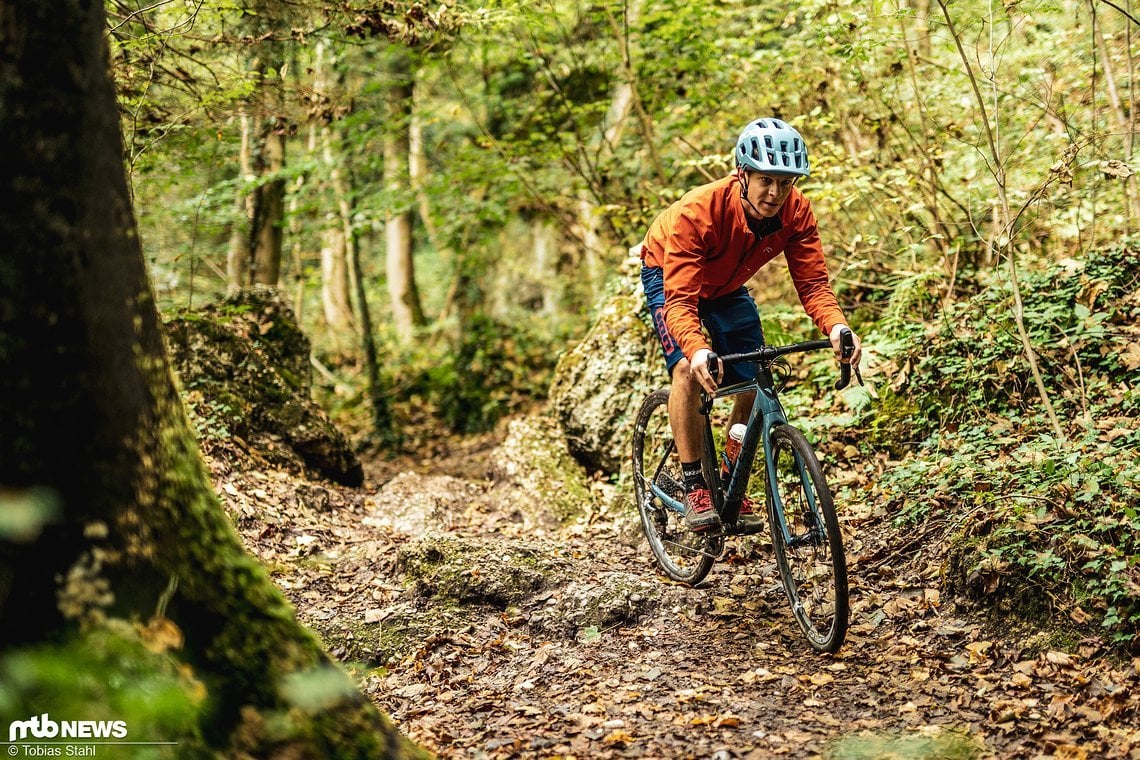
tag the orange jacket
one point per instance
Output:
(705, 247)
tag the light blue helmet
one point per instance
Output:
(771, 145)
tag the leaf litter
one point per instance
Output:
(664, 671)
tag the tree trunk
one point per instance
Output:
(239, 256)
(269, 208)
(624, 100)
(545, 236)
(407, 312)
(89, 413)
(335, 301)
(334, 280)
(1123, 120)
(296, 228)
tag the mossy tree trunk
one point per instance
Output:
(89, 412)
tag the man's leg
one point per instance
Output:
(684, 409)
(688, 434)
(685, 416)
(684, 413)
(741, 407)
(734, 327)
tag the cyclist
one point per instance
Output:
(696, 258)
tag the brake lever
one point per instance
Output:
(844, 377)
(846, 349)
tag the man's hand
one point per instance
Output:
(699, 369)
(855, 356)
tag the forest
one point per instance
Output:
(323, 342)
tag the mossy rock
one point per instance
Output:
(244, 367)
(1002, 591)
(464, 571)
(537, 481)
(402, 629)
(607, 601)
(599, 385)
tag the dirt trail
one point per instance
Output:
(719, 671)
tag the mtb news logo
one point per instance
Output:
(43, 727)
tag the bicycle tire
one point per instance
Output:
(683, 555)
(812, 566)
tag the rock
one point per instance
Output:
(245, 375)
(607, 601)
(414, 504)
(467, 571)
(536, 480)
(598, 386)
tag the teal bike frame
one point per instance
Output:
(765, 415)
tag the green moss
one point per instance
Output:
(891, 428)
(466, 572)
(918, 745)
(974, 573)
(107, 673)
(551, 484)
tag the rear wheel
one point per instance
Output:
(683, 555)
(810, 556)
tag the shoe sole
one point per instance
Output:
(703, 527)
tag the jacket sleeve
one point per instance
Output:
(804, 254)
(684, 267)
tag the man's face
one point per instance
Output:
(767, 193)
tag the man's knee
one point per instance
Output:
(680, 375)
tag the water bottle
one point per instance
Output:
(732, 449)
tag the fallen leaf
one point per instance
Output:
(1062, 659)
(821, 679)
(978, 651)
(619, 737)
(160, 635)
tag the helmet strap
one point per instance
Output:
(742, 175)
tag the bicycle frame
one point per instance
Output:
(766, 414)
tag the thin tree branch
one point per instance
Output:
(1004, 242)
(1123, 12)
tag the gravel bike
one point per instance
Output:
(776, 466)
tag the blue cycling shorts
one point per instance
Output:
(731, 322)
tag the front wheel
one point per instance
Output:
(808, 545)
(683, 555)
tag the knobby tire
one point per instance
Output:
(682, 555)
(813, 568)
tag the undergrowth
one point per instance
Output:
(454, 379)
(1045, 526)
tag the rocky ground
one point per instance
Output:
(488, 621)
